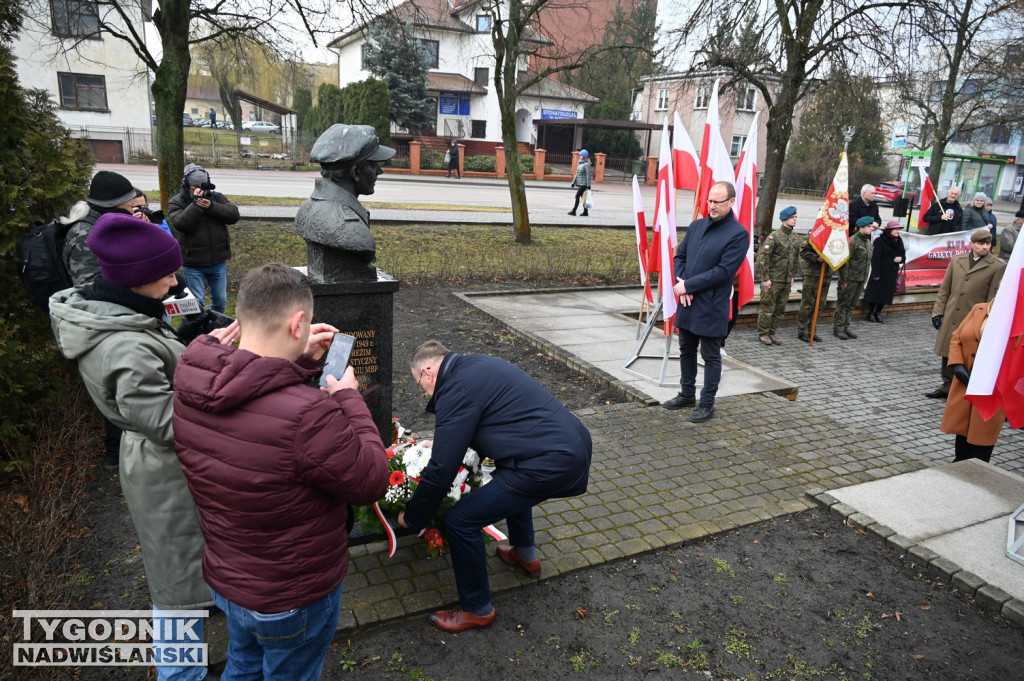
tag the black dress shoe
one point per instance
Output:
(879, 319)
(678, 402)
(817, 338)
(851, 334)
(841, 335)
(805, 337)
(702, 414)
(937, 395)
(572, 212)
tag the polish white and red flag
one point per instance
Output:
(715, 164)
(642, 247)
(927, 198)
(685, 160)
(746, 210)
(830, 235)
(666, 250)
(997, 380)
(666, 177)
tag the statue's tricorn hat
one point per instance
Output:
(349, 144)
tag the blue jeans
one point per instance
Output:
(196, 279)
(465, 523)
(178, 673)
(290, 646)
(711, 351)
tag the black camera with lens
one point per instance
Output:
(204, 191)
(154, 216)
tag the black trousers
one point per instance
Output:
(579, 193)
(965, 450)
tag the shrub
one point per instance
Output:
(43, 171)
(481, 164)
(432, 159)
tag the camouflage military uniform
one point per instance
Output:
(812, 271)
(854, 274)
(81, 263)
(776, 262)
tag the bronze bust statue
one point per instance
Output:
(336, 227)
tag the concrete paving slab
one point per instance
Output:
(599, 327)
(937, 501)
(981, 549)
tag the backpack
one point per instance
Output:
(41, 261)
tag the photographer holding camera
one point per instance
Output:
(199, 219)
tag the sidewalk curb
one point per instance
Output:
(989, 597)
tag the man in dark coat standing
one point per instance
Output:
(705, 264)
(864, 206)
(540, 451)
(945, 215)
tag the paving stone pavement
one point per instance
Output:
(656, 480)
(875, 384)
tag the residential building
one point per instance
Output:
(989, 160)
(457, 39)
(688, 95)
(98, 82)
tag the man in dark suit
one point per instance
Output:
(540, 451)
(705, 264)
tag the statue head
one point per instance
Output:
(350, 156)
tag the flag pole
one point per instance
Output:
(848, 132)
(817, 301)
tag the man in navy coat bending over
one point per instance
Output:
(705, 265)
(540, 451)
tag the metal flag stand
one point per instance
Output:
(643, 334)
(1013, 542)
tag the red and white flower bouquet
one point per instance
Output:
(407, 459)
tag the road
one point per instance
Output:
(614, 199)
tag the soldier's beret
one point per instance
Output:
(865, 221)
(981, 235)
(343, 143)
(787, 212)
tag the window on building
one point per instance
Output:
(75, 18)
(737, 145)
(962, 136)
(1000, 134)
(748, 98)
(431, 49)
(362, 57)
(483, 23)
(703, 97)
(478, 129)
(662, 100)
(82, 91)
(925, 133)
(481, 76)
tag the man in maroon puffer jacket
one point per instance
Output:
(273, 464)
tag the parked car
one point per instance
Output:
(200, 122)
(261, 126)
(225, 125)
(186, 120)
(886, 193)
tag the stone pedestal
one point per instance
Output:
(365, 309)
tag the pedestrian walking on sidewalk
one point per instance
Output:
(452, 156)
(775, 267)
(582, 182)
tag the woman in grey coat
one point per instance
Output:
(127, 356)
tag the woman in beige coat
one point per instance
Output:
(975, 437)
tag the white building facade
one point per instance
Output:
(97, 81)
(456, 37)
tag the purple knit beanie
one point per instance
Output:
(132, 252)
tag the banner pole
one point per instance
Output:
(817, 301)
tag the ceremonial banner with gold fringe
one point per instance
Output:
(830, 234)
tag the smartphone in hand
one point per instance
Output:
(336, 359)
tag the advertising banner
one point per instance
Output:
(929, 256)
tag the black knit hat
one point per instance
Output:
(109, 189)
